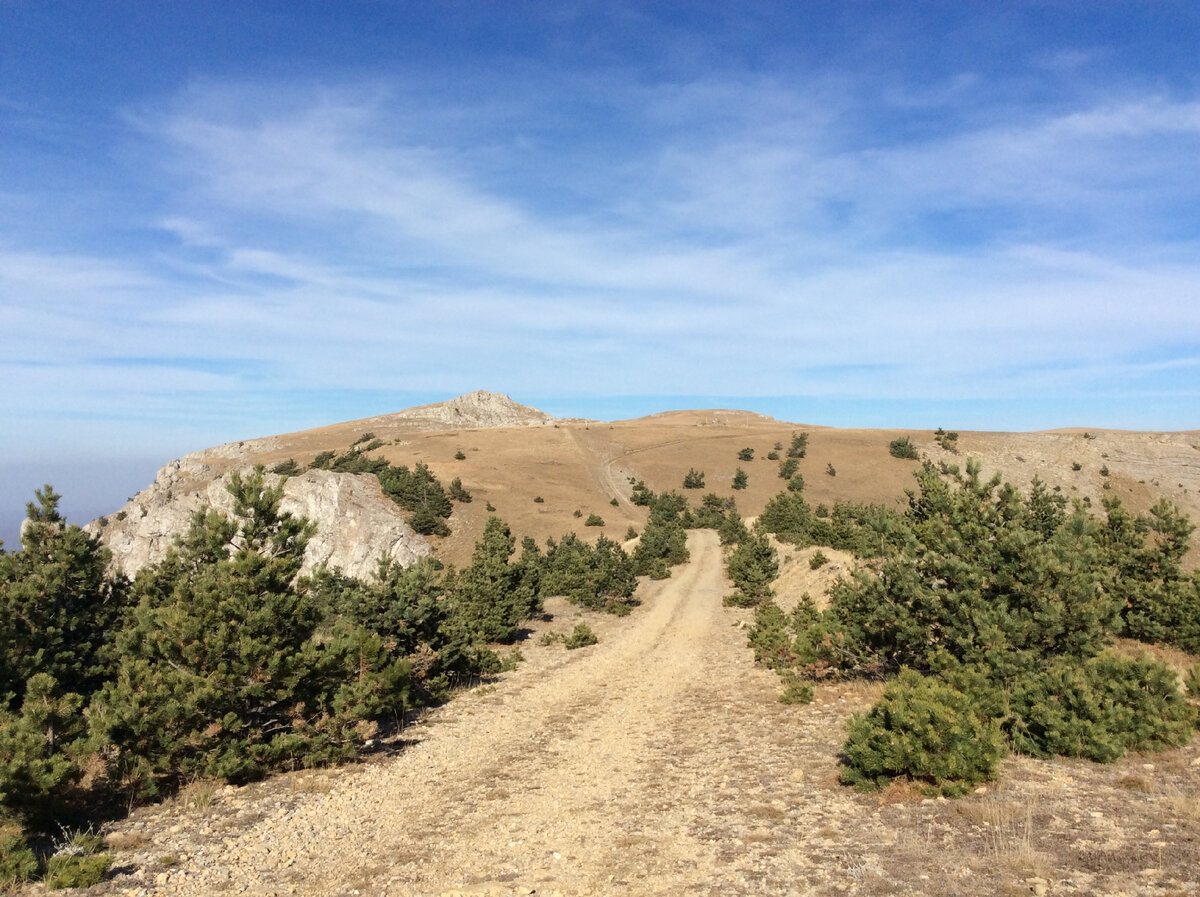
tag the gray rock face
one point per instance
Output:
(356, 522)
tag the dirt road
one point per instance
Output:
(633, 766)
(660, 762)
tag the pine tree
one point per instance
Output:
(57, 604)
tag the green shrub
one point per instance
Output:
(1075, 465)
(581, 636)
(414, 490)
(460, 455)
(753, 566)
(538, 500)
(732, 529)
(365, 437)
(746, 454)
(18, 863)
(1162, 604)
(428, 523)
(795, 691)
(796, 483)
(286, 468)
(925, 731)
(615, 503)
(770, 638)
(831, 470)
(631, 533)
(1191, 681)
(903, 448)
(58, 606)
(772, 456)
(76, 871)
(490, 598)
(740, 479)
(947, 440)
(787, 468)
(323, 460)
(663, 543)
(80, 863)
(594, 520)
(599, 576)
(640, 493)
(710, 514)
(799, 446)
(818, 560)
(1099, 710)
(458, 493)
(693, 479)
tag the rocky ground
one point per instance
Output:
(660, 762)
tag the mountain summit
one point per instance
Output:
(477, 409)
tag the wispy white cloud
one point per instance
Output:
(739, 236)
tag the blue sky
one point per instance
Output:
(221, 220)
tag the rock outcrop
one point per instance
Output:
(477, 409)
(356, 522)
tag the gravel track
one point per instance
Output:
(631, 766)
(660, 762)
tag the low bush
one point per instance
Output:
(663, 542)
(594, 520)
(753, 566)
(18, 863)
(799, 446)
(925, 731)
(693, 479)
(581, 636)
(458, 493)
(903, 448)
(80, 863)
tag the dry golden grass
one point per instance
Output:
(201, 793)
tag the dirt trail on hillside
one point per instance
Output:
(644, 764)
(660, 762)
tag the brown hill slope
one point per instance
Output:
(515, 455)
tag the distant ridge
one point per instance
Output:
(477, 409)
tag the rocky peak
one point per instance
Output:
(478, 409)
